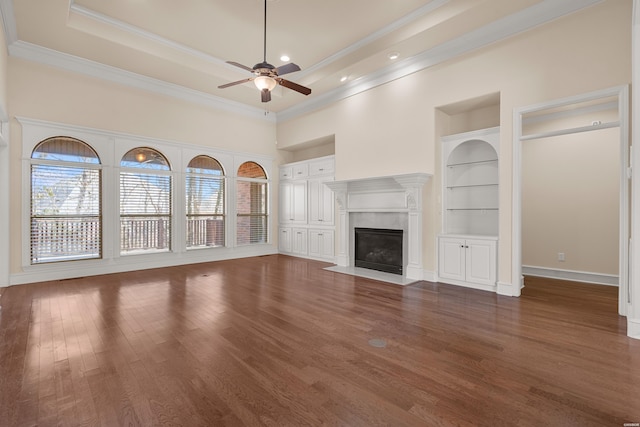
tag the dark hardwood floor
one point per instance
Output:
(278, 341)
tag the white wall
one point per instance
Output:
(571, 201)
(392, 129)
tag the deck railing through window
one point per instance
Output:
(205, 231)
(147, 232)
(63, 239)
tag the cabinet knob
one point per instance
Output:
(321, 169)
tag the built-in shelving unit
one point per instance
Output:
(467, 248)
(471, 183)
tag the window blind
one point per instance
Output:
(145, 212)
(251, 212)
(205, 198)
(65, 213)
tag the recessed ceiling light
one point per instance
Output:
(393, 55)
(344, 78)
(284, 58)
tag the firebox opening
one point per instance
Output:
(379, 249)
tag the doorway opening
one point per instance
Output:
(566, 134)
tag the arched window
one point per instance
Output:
(205, 200)
(66, 215)
(251, 204)
(145, 202)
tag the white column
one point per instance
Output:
(413, 191)
(340, 192)
(633, 313)
(4, 205)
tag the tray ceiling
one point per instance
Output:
(185, 44)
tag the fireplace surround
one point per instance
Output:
(391, 202)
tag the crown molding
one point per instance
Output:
(8, 21)
(405, 20)
(527, 19)
(42, 55)
(147, 35)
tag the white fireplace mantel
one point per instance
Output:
(396, 193)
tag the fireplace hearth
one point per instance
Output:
(379, 249)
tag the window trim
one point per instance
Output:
(110, 147)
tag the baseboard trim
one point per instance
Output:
(633, 328)
(489, 288)
(429, 276)
(571, 275)
(45, 273)
(507, 289)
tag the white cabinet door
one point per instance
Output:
(321, 244)
(300, 170)
(481, 261)
(299, 241)
(321, 203)
(469, 262)
(452, 258)
(293, 202)
(322, 167)
(284, 240)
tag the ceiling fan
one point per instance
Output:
(266, 76)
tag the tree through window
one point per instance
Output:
(66, 216)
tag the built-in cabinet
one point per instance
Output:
(293, 202)
(307, 209)
(467, 248)
(468, 261)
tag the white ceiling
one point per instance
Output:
(181, 47)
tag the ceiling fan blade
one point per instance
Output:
(244, 67)
(286, 69)
(266, 95)
(239, 82)
(295, 86)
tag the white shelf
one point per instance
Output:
(475, 162)
(473, 209)
(452, 187)
(471, 183)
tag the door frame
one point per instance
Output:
(622, 94)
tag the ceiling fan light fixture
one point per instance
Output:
(265, 82)
(266, 75)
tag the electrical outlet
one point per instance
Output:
(561, 256)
